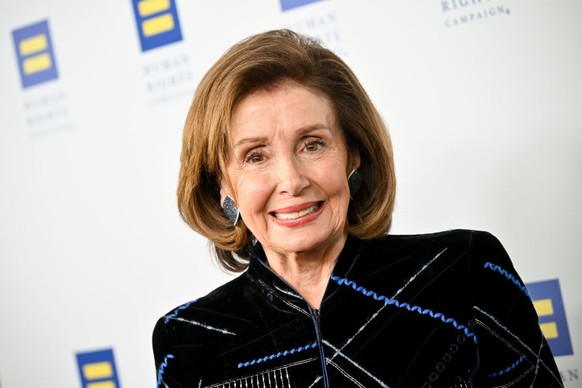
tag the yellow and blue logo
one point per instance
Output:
(157, 23)
(547, 300)
(34, 50)
(97, 369)
(286, 5)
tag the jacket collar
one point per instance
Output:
(271, 283)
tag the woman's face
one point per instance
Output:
(287, 170)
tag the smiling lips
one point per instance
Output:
(296, 212)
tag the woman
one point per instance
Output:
(287, 168)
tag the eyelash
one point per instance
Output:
(251, 156)
(318, 142)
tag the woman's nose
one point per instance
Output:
(291, 175)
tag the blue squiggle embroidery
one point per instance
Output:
(277, 355)
(496, 268)
(508, 369)
(163, 366)
(177, 311)
(411, 308)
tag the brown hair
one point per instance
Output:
(260, 62)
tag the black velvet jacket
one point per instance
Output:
(438, 310)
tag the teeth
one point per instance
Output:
(292, 216)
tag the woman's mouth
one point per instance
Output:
(293, 215)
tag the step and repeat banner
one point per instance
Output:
(482, 97)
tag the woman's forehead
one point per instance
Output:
(289, 106)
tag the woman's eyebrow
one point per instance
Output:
(250, 140)
(263, 139)
(311, 128)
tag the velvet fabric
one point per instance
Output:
(437, 310)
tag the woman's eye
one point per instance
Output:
(254, 157)
(314, 145)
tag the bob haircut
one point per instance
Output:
(261, 62)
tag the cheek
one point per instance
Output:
(341, 194)
(253, 192)
(333, 179)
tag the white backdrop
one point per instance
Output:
(484, 103)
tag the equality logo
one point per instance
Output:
(547, 300)
(34, 51)
(97, 369)
(286, 5)
(157, 23)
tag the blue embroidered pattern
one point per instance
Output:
(163, 366)
(394, 302)
(177, 311)
(277, 355)
(506, 370)
(496, 268)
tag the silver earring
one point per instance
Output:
(354, 182)
(230, 210)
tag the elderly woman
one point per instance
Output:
(287, 169)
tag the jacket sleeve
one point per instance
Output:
(170, 370)
(162, 355)
(512, 349)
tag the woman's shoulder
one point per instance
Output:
(221, 302)
(195, 332)
(474, 254)
(450, 239)
(466, 251)
(451, 235)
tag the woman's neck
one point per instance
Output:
(307, 272)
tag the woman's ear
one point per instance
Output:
(355, 159)
(354, 176)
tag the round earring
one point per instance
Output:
(230, 210)
(354, 182)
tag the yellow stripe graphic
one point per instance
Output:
(158, 25)
(33, 45)
(102, 384)
(97, 370)
(550, 330)
(150, 7)
(37, 64)
(544, 307)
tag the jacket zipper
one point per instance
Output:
(315, 317)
